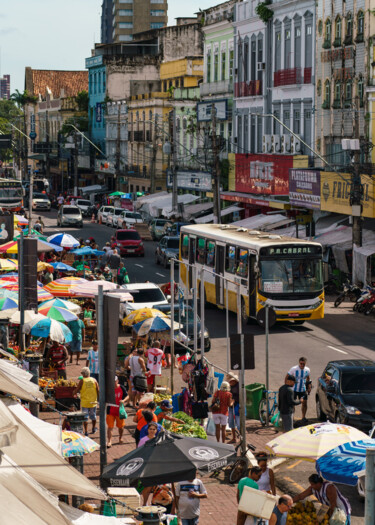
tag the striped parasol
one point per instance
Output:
(313, 441)
(6, 303)
(8, 264)
(64, 287)
(75, 444)
(141, 314)
(59, 314)
(42, 246)
(68, 305)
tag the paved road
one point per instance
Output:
(342, 334)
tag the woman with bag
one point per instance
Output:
(221, 401)
(138, 373)
(116, 414)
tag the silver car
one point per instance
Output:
(69, 216)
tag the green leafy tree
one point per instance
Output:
(80, 122)
(8, 109)
(82, 100)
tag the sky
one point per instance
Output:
(58, 34)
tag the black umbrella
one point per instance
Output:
(167, 458)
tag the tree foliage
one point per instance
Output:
(21, 99)
(8, 109)
(82, 100)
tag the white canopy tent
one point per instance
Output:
(161, 204)
(258, 221)
(209, 218)
(8, 427)
(14, 380)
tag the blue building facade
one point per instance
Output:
(97, 93)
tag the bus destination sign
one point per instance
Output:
(291, 250)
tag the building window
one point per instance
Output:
(125, 12)
(348, 94)
(156, 1)
(287, 34)
(337, 99)
(298, 32)
(157, 12)
(327, 34)
(360, 26)
(216, 67)
(208, 72)
(125, 38)
(360, 92)
(125, 25)
(156, 25)
(104, 83)
(297, 122)
(338, 28)
(349, 29)
(231, 64)
(309, 29)
(125, 1)
(223, 64)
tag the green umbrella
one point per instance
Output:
(116, 194)
(34, 233)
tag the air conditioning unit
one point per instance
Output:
(295, 146)
(276, 143)
(285, 143)
(261, 66)
(267, 144)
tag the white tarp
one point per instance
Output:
(209, 218)
(78, 517)
(163, 202)
(361, 264)
(257, 221)
(196, 209)
(166, 208)
(14, 380)
(8, 427)
(45, 465)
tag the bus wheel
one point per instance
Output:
(245, 318)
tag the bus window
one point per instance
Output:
(185, 247)
(210, 260)
(231, 259)
(242, 263)
(200, 250)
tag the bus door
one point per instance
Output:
(191, 260)
(252, 286)
(219, 269)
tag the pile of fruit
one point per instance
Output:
(158, 398)
(190, 427)
(46, 382)
(304, 513)
(65, 382)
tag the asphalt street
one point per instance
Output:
(342, 334)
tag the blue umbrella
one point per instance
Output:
(343, 462)
(62, 267)
(63, 239)
(154, 324)
(49, 328)
(86, 251)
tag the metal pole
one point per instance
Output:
(75, 164)
(172, 326)
(21, 305)
(202, 313)
(227, 325)
(174, 163)
(195, 308)
(31, 189)
(370, 487)
(34, 363)
(242, 374)
(267, 364)
(100, 328)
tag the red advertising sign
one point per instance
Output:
(263, 174)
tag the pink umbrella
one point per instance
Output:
(91, 288)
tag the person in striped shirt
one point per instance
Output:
(93, 361)
(302, 385)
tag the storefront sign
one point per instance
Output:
(204, 110)
(304, 188)
(265, 174)
(301, 249)
(335, 193)
(99, 112)
(191, 180)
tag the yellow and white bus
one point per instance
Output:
(276, 270)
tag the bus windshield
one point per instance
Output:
(291, 275)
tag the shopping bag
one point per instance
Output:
(109, 508)
(122, 412)
(210, 427)
(338, 517)
(275, 420)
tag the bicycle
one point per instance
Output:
(273, 407)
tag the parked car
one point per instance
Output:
(173, 229)
(129, 242)
(69, 216)
(84, 205)
(156, 228)
(112, 217)
(127, 218)
(145, 295)
(41, 202)
(167, 249)
(346, 393)
(103, 212)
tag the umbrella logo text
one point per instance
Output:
(129, 467)
(203, 453)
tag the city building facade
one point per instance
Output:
(106, 26)
(5, 87)
(97, 94)
(136, 16)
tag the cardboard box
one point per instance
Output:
(257, 503)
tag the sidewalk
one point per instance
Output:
(221, 504)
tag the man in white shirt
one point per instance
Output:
(188, 496)
(302, 385)
(154, 362)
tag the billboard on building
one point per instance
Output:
(204, 110)
(304, 188)
(335, 193)
(266, 174)
(191, 180)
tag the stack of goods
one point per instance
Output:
(64, 395)
(305, 513)
(190, 428)
(159, 397)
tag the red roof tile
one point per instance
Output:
(39, 81)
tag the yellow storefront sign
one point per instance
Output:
(335, 193)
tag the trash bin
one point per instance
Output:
(254, 394)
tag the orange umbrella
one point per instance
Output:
(64, 287)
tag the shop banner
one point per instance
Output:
(335, 193)
(304, 188)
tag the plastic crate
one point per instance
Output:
(51, 374)
(64, 392)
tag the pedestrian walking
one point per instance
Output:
(40, 220)
(89, 391)
(114, 264)
(93, 360)
(122, 275)
(113, 414)
(154, 357)
(221, 401)
(188, 496)
(138, 370)
(58, 355)
(327, 494)
(287, 402)
(280, 512)
(250, 481)
(234, 410)
(47, 277)
(77, 328)
(302, 386)
(266, 481)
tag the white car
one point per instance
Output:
(145, 295)
(103, 212)
(41, 202)
(84, 205)
(127, 219)
(361, 485)
(112, 217)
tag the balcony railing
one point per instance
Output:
(212, 88)
(248, 89)
(287, 77)
(307, 75)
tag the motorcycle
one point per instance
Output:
(351, 291)
(363, 301)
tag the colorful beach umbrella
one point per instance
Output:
(8, 264)
(64, 287)
(62, 267)
(90, 289)
(29, 316)
(19, 220)
(141, 314)
(34, 233)
(65, 240)
(342, 464)
(313, 441)
(59, 314)
(154, 325)
(6, 303)
(49, 328)
(42, 246)
(68, 305)
(75, 444)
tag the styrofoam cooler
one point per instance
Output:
(257, 503)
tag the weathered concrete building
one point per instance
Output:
(133, 16)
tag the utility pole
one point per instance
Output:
(75, 192)
(118, 147)
(357, 188)
(215, 168)
(172, 133)
(48, 164)
(154, 153)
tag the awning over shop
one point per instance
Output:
(95, 188)
(257, 200)
(195, 209)
(14, 380)
(209, 218)
(257, 222)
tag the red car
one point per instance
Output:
(129, 242)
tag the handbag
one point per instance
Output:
(338, 517)
(140, 383)
(122, 412)
(215, 405)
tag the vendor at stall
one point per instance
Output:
(58, 356)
